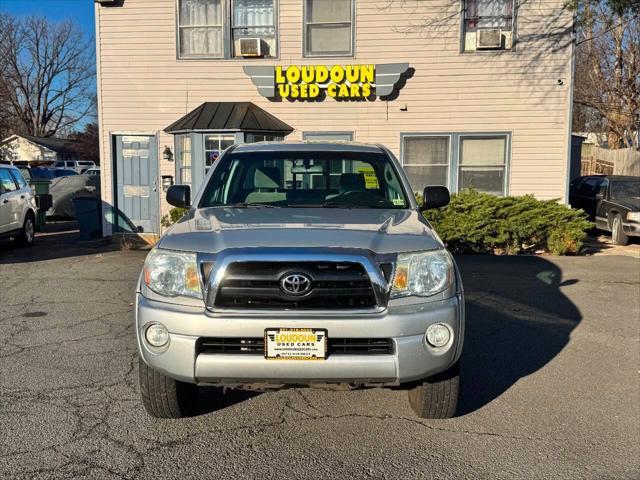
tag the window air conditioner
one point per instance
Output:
(488, 38)
(251, 47)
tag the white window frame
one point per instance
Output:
(220, 138)
(305, 25)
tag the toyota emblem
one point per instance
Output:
(295, 284)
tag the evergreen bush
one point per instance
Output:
(477, 222)
(172, 217)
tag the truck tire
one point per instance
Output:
(162, 396)
(437, 396)
(617, 233)
(27, 232)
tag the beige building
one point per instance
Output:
(38, 150)
(464, 92)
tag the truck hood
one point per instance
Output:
(630, 203)
(212, 230)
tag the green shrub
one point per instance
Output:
(172, 217)
(477, 222)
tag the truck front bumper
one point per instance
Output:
(412, 358)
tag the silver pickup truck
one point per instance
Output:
(300, 264)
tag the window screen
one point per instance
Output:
(426, 160)
(483, 164)
(200, 28)
(328, 27)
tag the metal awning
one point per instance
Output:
(230, 116)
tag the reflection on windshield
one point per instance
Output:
(305, 179)
(625, 189)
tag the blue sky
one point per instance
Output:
(81, 11)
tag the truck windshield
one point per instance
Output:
(305, 179)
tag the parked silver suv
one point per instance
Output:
(297, 264)
(17, 206)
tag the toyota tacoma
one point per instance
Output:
(300, 264)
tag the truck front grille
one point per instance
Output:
(255, 346)
(257, 285)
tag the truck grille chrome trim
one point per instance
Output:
(342, 280)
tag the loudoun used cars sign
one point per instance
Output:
(313, 82)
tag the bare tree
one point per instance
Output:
(607, 86)
(48, 71)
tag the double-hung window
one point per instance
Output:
(328, 28)
(493, 17)
(483, 163)
(201, 29)
(457, 161)
(215, 28)
(426, 160)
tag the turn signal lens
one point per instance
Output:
(192, 282)
(401, 280)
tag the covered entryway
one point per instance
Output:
(202, 134)
(136, 184)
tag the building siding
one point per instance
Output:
(144, 87)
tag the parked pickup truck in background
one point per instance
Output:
(298, 264)
(613, 202)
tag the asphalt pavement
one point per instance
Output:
(549, 389)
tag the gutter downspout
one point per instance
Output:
(565, 199)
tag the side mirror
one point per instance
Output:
(435, 197)
(599, 196)
(179, 196)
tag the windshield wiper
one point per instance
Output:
(247, 205)
(345, 205)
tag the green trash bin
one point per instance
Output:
(40, 187)
(89, 217)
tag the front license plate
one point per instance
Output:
(295, 344)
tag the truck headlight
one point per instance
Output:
(633, 216)
(422, 273)
(171, 274)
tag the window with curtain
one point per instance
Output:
(426, 160)
(214, 145)
(254, 19)
(480, 14)
(328, 27)
(200, 28)
(183, 159)
(482, 164)
(213, 28)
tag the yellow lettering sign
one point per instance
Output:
(340, 81)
